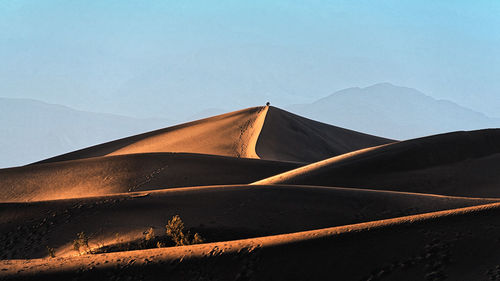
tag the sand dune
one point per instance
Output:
(460, 164)
(258, 132)
(286, 136)
(369, 211)
(132, 172)
(232, 134)
(219, 213)
(434, 246)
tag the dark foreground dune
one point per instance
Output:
(459, 244)
(254, 184)
(219, 213)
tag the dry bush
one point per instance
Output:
(175, 230)
(82, 241)
(149, 234)
(197, 239)
(176, 235)
(51, 252)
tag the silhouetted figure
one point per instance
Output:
(268, 103)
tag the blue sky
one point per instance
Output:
(154, 58)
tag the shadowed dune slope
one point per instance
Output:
(132, 172)
(460, 163)
(286, 136)
(218, 213)
(460, 244)
(259, 132)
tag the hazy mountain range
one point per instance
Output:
(33, 130)
(393, 112)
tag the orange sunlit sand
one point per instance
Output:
(273, 195)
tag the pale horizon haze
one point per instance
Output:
(175, 56)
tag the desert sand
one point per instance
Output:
(132, 172)
(265, 133)
(274, 196)
(459, 163)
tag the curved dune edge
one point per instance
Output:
(220, 213)
(289, 137)
(473, 144)
(40, 268)
(161, 190)
(344, 158)
(130, 172)
(458, 163)
(254, 132)
(241, 136)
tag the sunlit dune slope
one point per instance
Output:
(219, 213)
(132, 172)
(231, 134)
(460, 244)
(286, 136)
(460, 163)
(258, 132)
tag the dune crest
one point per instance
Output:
(259, 132)
(289, 137)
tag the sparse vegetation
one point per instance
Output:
(51, 252)
(148, 240)
(81, 242)
(149, 234)
(175, 230)
(197, 239)
(176, 235)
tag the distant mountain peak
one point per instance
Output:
(383, 85)
(386, 86)
(393, 111)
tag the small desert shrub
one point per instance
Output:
(175, 230)
(82, 241)
(149, 234)
(51, 252)
(197, 239)
(149, 239)
(176, 235)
